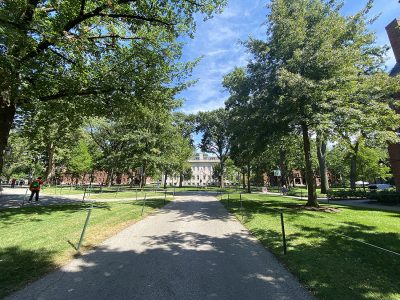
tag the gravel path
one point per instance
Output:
(190, 249)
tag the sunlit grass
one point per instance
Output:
(329, 264)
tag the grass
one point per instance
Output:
(208, 189)
(330, 265)
(35, 240)
(302, 192)
(105, 193)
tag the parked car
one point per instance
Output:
(380, 187)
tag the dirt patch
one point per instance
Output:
(326, 209)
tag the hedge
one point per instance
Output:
(385, 197)
(346, 194)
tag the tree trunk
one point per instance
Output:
(110, 177)
(131, 178)
(143, 176)
(353, 166)
(50, 170)
(180, 179)
(312, 193)
(282, 166)
(321, 154)
(165, 179)
(248, 178)
(244, 179)
(7, 114)
(221, 176)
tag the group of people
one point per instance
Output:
(14, 183)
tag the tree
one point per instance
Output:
(89, 52)
(213, 125)
(80, 162)
(312, 56)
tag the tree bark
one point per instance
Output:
(110, 177)
(321, 154)
(180, 179)
(353, 166)
(221, 176)
(282, 166)
(244, 179)
(143, 176)
(50, 170)
(7, 114)
(165, 179)
(248, 178)
(311, 190)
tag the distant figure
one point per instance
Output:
(13, 181)
(21, 182)
(284, 190)
(35, 188)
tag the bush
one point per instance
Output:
(346, 194)
(385, 197)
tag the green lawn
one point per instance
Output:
(207, 189)
(105, 193)
(35, 240)
(330, 265)
(302, 192)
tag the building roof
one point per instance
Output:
(396, 70)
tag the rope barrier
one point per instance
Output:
(384, 249)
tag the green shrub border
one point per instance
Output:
(390, 197)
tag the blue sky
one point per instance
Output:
(218, 40)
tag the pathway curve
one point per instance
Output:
(190, 249)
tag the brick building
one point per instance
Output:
(393, 31)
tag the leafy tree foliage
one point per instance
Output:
(97, 55)
(213, 125)
(316, 71)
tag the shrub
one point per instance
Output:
(346, 194)
(390, 197)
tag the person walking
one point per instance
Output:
(34, 187)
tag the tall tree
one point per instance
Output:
(213, 125)
(89, 52)
(310, 55)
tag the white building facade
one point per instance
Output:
(202, 171)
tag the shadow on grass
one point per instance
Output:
(11, 216)
(20, 266)
(333, 266)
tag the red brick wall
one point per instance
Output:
(393, 31)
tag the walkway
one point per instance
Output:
(190, 249)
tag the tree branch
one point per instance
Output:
(85, 92)
(136, 17)
(82, 10)
(114, 36)
(62, 56)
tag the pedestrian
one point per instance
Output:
(34, 187)
(13, 181)
(284, 190)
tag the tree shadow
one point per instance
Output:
(20, 266)
(323, 256)
(11, 216)
(176, 265)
